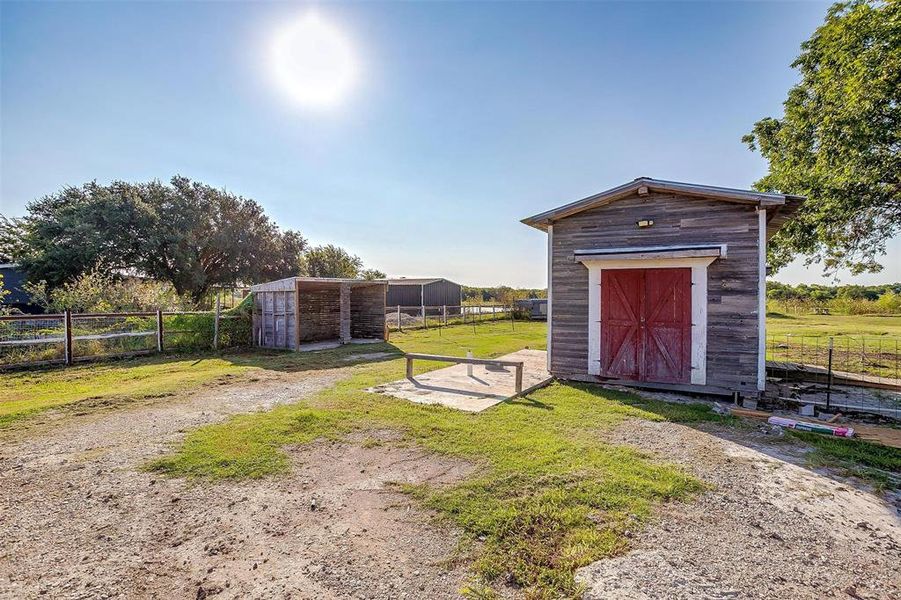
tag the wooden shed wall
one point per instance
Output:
(320, 314)
(367, 312)
(273, 319)
(732, 286)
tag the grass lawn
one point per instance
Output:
(869, 344)
(889, 327)
(548, 495)
(26, 393)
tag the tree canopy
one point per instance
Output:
(839, 140)
(186, 233)
(332, 261)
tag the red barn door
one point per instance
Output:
(646, 324)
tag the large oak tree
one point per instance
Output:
(187, 233)
(839, 140)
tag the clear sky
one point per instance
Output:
(461, 120)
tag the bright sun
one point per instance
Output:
(313, 62)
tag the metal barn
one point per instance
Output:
(661, 284)
(298, 310)
(424, 291)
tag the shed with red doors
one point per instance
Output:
(662, 284)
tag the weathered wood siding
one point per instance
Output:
(320, 314)
(367, 311)
(732, 286)
(273, 319)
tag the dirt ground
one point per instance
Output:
(78, 519)
(769, 528)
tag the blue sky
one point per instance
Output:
(465, 118)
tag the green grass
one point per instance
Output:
(487, 339)
(548, 495)
(889, 327)
(874, 463)
(27, 393)
(868, 344)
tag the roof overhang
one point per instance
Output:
(289, 283)
(647, 184)
(652, 252)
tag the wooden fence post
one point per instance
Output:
(159, 330)
(519, 379)
(67, 329)
(444, 314)
(216, 324)
(399, 326)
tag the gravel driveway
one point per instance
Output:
(769, 528)
(79, 519)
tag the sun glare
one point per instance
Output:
(313, 62)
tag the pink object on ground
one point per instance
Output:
(814, 427)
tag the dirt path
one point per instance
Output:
(769, 529)
(78, 519)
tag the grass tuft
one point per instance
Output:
(877, 464)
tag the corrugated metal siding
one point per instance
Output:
(442, 293)
(404, 295)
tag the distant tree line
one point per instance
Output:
(847, 299)
(500, 294)
(186, 234)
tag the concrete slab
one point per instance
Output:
(452, 387)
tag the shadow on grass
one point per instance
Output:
(872, 465)
(289, 361)
(528, 402)
(690, 411)
(779, 315)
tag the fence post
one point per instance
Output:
(519, 378)
(829, 381)
(444, 314)
(216, 324)
(425, 321)
(159, 330)
(399, 326)
(67, 329)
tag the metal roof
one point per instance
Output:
(413, 280)
(287, 283)
(542, 220)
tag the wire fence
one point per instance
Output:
(401, 318)
(66, 338)
(862, 373)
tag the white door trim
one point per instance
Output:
(698, 266)
(761, 300)
(550, 292)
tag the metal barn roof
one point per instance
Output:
(414, 280)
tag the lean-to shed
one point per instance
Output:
(661, 284)
(290, 312)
